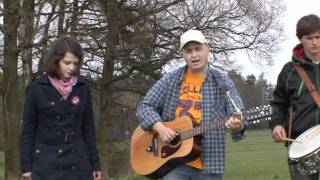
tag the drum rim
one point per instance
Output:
(305, 156)
(299, 137)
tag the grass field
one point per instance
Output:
(255, 158)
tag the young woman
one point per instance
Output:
(58, 139)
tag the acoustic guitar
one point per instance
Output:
(152, 157)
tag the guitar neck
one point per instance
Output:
(251, 115)
(202, 128)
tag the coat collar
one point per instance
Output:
(45, 80)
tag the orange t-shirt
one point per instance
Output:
(190, 104)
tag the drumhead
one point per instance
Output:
(308, 143)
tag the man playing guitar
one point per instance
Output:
(198, 91)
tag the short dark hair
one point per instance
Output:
(58, 50)
(307, 25)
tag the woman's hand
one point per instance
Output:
(27, 175)
(97, 175)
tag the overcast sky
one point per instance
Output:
(295, 10)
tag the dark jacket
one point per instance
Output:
(58, 138)
(292, 91)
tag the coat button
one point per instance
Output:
(72, 150)
(60, 151)
(58, 117)
(58, 133)
(52, 103)
(72, 116)
(73, 167)
(37, 151)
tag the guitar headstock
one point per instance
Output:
(257, 114)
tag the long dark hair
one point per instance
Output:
(58, 50)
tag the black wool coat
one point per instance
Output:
(58, 140)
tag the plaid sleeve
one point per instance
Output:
(150, 108)
(236, 136)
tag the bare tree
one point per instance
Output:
(127, 44)
(118, 20)
(11, 21)
(128, 38)
(26, 31)
(250, 26)
(62, 6)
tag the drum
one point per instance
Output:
(305, 151)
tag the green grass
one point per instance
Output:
(255, 158)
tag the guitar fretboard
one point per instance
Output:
(203, 128)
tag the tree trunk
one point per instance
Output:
(27, 39)
(105, 122)
(45, 39)
(62, 7)
(74, 20)
(10, 107)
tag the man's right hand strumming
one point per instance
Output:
(279, 134)
(166, 134)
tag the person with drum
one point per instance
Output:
(294, 109)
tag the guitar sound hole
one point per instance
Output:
(175, 141)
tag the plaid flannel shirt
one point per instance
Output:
(161, 101)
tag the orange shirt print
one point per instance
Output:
(190, 104)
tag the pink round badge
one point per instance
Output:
(75, 100)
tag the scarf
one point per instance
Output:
(64, 88)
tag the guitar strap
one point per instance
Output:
(290, 123)
(304, 76)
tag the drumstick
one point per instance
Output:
(291, 140)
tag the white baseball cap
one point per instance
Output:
(192, 35)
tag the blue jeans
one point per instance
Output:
(184, 172)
